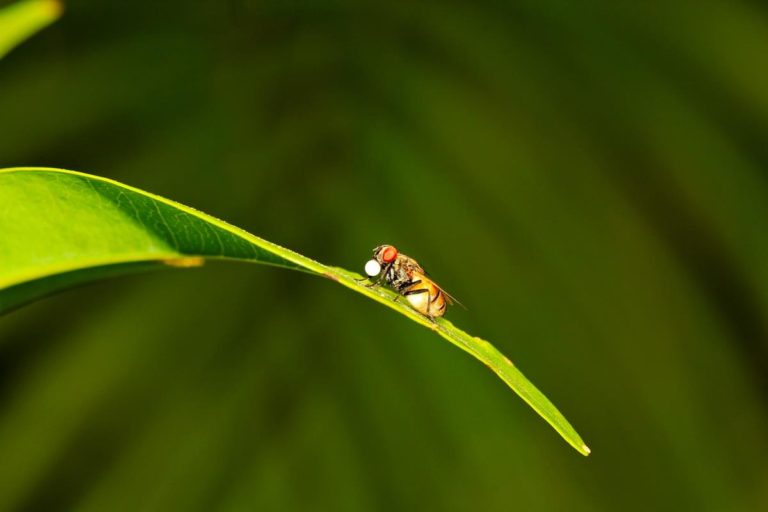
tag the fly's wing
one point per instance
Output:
(449, 298)
(413, 265)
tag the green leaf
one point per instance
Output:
(21, 20)
(61, 228)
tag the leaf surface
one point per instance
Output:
(62, 228)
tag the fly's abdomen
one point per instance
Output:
(424, 296)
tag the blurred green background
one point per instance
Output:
(589, 178)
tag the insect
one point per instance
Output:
(408, 278)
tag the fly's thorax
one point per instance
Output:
(396, 274)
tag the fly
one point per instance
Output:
(404, 274)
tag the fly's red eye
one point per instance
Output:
(389, 254)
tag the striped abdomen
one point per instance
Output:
(424, 295)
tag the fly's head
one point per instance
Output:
(383, 256)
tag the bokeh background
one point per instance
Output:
(589, 178)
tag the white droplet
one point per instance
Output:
(372, 268)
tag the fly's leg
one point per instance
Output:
(376, 282)
(372, 282)
(368, 282)
(409, 284)
(412, 292)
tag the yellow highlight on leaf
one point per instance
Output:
(185, 262)
(23, 19)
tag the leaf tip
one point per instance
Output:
(585, 449)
